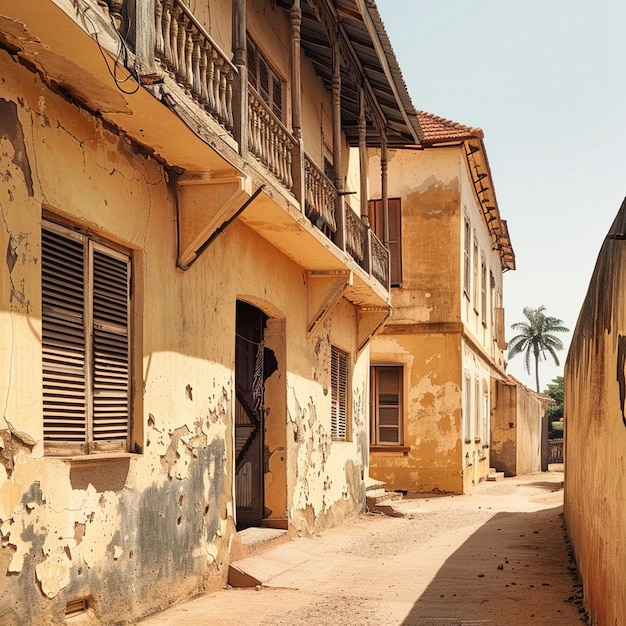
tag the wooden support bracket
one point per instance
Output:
(324, 290)
(205, 202)
(370, 321)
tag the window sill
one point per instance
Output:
(390, 448)
(93, 458)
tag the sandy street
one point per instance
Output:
(498, 557)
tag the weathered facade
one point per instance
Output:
(434, 364)
(595, 433)
(519, 428)
(189, 289)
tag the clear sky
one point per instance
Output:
(546, 81)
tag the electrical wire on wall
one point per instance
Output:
(121, 64)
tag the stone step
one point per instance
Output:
(259, 570)
(376, 497)
(372, 484)
(493, 476)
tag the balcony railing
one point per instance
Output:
(268, 139)
(356, 238)
(320, 195)
(189, 54)
(183, 48)
(380, 266)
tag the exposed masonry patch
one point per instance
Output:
(11, 129)
(11, 445)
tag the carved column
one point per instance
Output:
(142, 14)
(363, 157)
(337, 160)
(383, 187)
(240, 83)
(297, 162)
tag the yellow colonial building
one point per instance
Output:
(436, 364)
(190, 288)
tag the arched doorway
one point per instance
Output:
(254, 364)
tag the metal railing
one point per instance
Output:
(555, 450)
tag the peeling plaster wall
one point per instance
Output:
(434, 322)
(595, 434)
(136, 533)
(132, 534)
(432, 458)
(327, 477)
(503, 451)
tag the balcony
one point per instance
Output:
(174, 91)
(188, 54)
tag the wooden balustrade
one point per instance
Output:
(380, 261)
(356, 237)
(188, 53)
(320, 194)
(268, 139)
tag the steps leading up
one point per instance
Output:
(494, 475)
(378, 498)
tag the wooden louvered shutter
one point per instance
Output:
(85, 343)
(277, 97)
(377, 223)
(111, 378)
(264, 81)
(388, 385)
(64, 358)
(252, 65)
(339, 393)
(395, 240)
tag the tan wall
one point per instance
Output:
(432, 454)
(428, 185)
(516, 429)
(137, 533)
(433, 320)
(595, 437)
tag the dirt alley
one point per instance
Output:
(497, 557)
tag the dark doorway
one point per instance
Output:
(250, 375)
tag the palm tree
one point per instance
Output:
(536, 338)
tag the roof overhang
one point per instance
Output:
(371, 64)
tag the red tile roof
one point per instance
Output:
(440, 130)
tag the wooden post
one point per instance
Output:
(337, 160)
(297, 160)
(383, 186)
(363, 157)
(143, 23)
(240, 83)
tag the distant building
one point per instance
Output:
(519, 428)
(436, 364)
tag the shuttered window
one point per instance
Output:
(339, 393)
(467, 407)
(267, 83)
(386, 405)
(85, 343)
(377, 223)
(467, 256)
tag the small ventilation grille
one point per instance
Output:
(74, 607)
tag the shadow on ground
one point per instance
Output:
(514, 570)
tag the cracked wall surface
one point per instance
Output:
(437, 332)
(134, 533)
